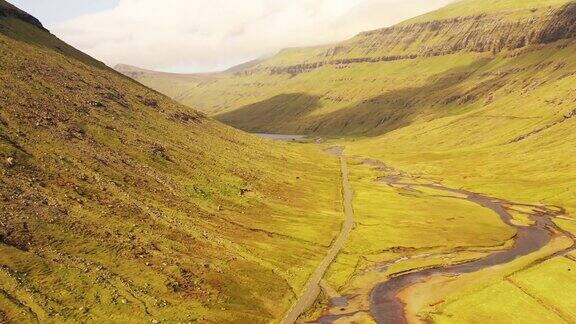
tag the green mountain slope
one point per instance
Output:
(479, 91)
(120, 205)
(478, 95)
(384, 79)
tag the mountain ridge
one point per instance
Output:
(556, 24)
(9, 10)
(478, 38)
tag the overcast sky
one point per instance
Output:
(211, 35)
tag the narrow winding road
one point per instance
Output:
(312, 288)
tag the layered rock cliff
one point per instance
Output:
(492, 33)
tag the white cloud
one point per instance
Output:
(207, 35)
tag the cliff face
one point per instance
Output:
(480, 33)
(561, 25)
(484, 33)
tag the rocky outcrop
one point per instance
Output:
(561, 26)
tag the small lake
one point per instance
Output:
(282, 137)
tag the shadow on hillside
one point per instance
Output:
(399, 108)
(292, 113)
(279, 114)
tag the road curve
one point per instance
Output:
(312, 288)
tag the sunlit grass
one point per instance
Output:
(123, 206)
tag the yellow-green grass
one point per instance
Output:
(355, 273)
(551, 283)
(521, 219)
(120, 205)
(517, 146)
(210, 231)
(507, 8)
(536, 170)
(410, 230)
(502, 303)
(378, 97)
(335, 101)
(387, 219)
(355, 276)
(486, 295)
(568, 224)
(437, 79)
(328, 96)
(494, 120)
(398, 230)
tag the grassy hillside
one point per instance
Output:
(120, 205)
(515, 142)
(510, 9)
(479, 92)
(173, 83)
(478, 95)
(483, 87)
(383, 79)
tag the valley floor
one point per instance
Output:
(423, 251)
(312, 289)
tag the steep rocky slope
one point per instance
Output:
(118, 204)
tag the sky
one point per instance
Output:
(189, 36)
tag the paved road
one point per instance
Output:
(312, 288)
